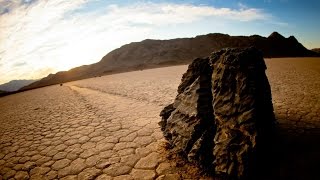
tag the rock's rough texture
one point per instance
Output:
(188, 122)
(223, 113)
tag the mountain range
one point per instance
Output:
(155, 53)
(317, 50)
(15, 85)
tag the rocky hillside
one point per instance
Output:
(15, 85)
(154, 53)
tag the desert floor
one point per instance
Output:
(106, 127)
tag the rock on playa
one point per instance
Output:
(222, 117)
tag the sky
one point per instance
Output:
(39, 37)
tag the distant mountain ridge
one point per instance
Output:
(155, 53)
(15, 85)
(317, 50)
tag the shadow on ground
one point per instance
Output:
(294, 153)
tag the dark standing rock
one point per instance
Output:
(243, 109)
(188, 123)
(222, 116)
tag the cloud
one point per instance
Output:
(159, 14)
(54, 35)
(18, 64)
(6, 6)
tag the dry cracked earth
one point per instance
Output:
(106, 127)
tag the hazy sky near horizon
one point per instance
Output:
(39, 37)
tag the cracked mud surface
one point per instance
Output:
(106, 127)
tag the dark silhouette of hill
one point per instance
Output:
(15, 85)
(155, 53)
(4, 93)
